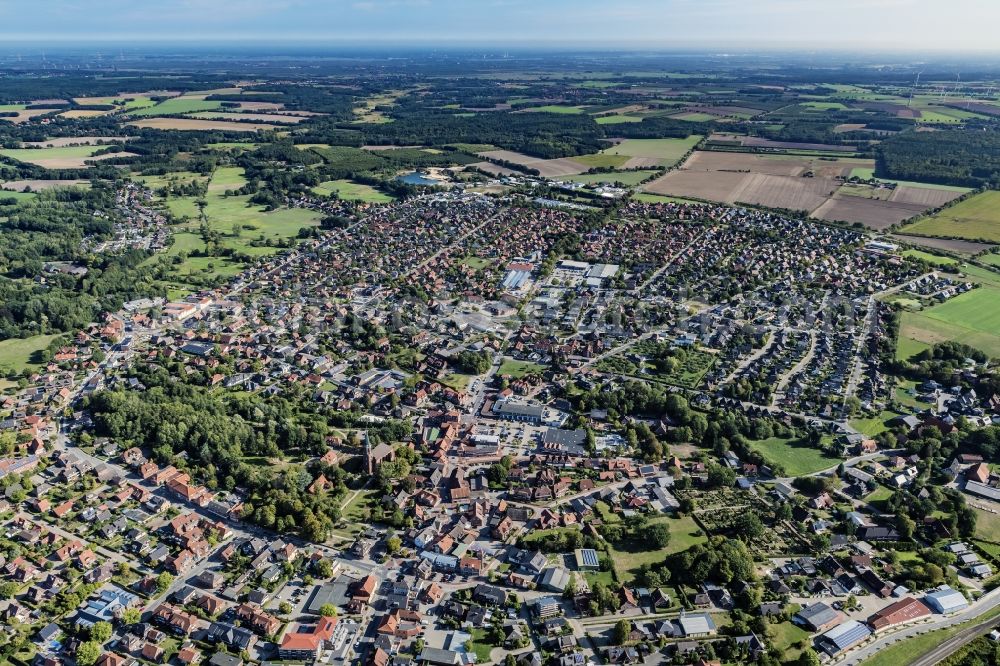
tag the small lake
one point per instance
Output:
(415, 178)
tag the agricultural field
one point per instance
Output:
(261, 117)
(175, 106)
(564, 166)
(602, 160)
(625, 177)
(199, 124)
(59, 142)
(694, 117)
(975, 218)
(935, 259)
(617, 119)
(653, 152)
(557, 108)
(810, 183)
(46, 184)
(351, 191)
(970, 318)
(61, 157)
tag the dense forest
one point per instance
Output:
(948, 157)
(224, 441)
(547, 135)
(51, 228)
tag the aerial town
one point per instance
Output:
(295, 369)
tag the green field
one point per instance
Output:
(987, 525)
(476, 263)
(155, 182)
(16, 353)
(19, 196)
(667, 150)
(785, 635)
(351, 191)
(259, 231)
(874, 425)
(930, 258)
(695, 117)
(797, 458)
(557, 108)
(625, 177)
(990, 259)
(176, 105)
(971, 318)
(907, 347)
(684, 533)
(617, 120)
(978, 217)
(519, 369)
(605, 160)
(879, 497)
(825, 106)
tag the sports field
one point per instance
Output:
(978, 217)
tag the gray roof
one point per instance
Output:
(555, 578)
(844, 635)
(818, 614)
(982, 490)
(696, 623)
(439, 656)
(519, 409)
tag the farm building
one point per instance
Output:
(900, 611)
(843, 636)
(946, 600)
(817, 617)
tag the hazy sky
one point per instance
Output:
(932, 25)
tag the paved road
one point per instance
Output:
(962, 638)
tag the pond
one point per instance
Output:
(415, 178)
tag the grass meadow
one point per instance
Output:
(978, 217)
